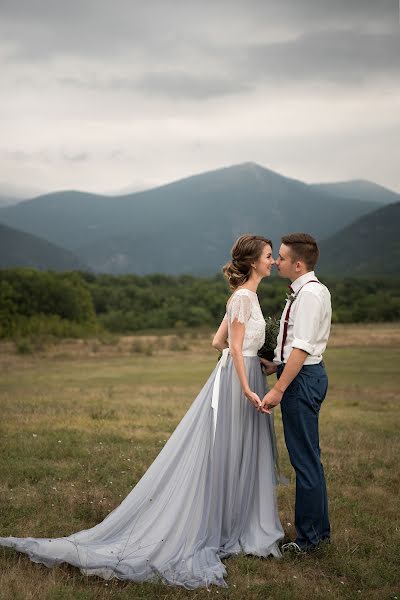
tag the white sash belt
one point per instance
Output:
(215, 392)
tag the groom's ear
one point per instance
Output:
(299, 265)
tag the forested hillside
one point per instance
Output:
(369, 247)
(20, 249)
(76, 304)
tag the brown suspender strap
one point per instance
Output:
(286, 321)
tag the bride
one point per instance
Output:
(210, 493)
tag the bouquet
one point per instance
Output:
(271, 333)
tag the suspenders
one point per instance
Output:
(286, 321)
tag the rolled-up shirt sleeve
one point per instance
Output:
(307, 322)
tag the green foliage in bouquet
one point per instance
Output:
(271, 334)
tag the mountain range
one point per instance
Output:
(188, 226)
(359, 189)
(368, 246)
(20, 249)
(8, 200)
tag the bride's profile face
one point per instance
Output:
(264, 264)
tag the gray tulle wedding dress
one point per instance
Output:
(210, 493)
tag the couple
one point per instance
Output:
(210, 493)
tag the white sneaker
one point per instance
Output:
(292, 547)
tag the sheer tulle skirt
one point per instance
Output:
(209, 493)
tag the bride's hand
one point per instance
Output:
(253, 398)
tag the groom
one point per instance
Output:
(302, 384)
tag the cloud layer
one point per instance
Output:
(103, 96)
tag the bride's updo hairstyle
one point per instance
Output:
(247, 249)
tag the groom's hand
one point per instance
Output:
(269, 366)
(270, 400)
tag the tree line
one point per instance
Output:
(74, 304)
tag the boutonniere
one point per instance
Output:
(291, 297)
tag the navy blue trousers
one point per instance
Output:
(300, 407)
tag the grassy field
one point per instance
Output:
(82, 420)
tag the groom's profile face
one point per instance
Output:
(285, 263)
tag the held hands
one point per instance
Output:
(270, 400)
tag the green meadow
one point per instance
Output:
(81, 420)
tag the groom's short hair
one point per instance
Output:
(302, 247)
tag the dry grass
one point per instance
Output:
(82, 420)
(359, 334)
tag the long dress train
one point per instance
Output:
(209, 493)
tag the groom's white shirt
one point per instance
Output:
(309, 321)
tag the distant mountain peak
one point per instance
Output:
(247, 169)
(249, 165)
(366, 184)
(360, 183)
(359, 188)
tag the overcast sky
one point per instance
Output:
(113, 95)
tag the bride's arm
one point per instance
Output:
(237, 337)
(220, 341)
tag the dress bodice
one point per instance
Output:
(244, 306)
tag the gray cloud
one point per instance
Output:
(79, 157)
(197, 51)
(98, 28)
(221, 78)
(176, 84)
(335, 56)
(347, 57)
